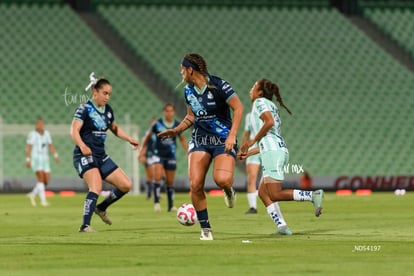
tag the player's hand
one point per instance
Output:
(85, 150)
(134, 143)
(142, 158)
(28, 164)
(169, 133)
(245, 147)
(241, 155)
(230, 143)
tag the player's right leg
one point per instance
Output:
(93, 179)
(198, 164)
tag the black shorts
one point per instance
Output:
(104, 164)
(169, 164)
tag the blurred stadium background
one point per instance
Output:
(345, 69)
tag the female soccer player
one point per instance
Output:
(164, 156)
(39, 142)
(145, 157)
(90, 123)
(210, 100)
(274, 154)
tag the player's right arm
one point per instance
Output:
(187, 122)
(28, 153)
(77, 139)
(144, 145)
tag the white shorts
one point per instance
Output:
(40, 165)
(253, 159)
(273, 164)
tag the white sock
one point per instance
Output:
(271, 210)
(300, 195)
(41, 191)
(35, 190)
(252, 199)
(279, 214)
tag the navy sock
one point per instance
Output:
(157, 191)
(170, 194)
(89, 207)
(114, 196)
(149, 189)
(202, 217)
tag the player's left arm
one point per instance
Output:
(183, 142)
(237, 107)
(54, 152)
(119, 132)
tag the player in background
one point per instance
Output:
(273, 151)
(165, 156)
(39, 142)
(145, 157)
(210, 101)
(252, 168)
(89, 125)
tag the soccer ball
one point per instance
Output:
(186, 214)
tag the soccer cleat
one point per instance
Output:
(86, 229)
(317, 201)
(32, 199)
(284, 230)
(206, 234)
(172, 209)
(44, 203)
(230, 198)
(157, 207)
(251, 211)
(103, 216)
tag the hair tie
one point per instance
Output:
(92, 81)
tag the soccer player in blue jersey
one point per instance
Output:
(145, 156)
(88, 130)
(210, 101)
(165, 156)
(273, 151)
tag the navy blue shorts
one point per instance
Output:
(213, 150)
(104, 164)
(169, 164)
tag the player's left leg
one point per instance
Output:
(169, 180)
(273, 210)
(223, 175)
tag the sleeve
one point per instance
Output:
(110, 114)
(48, 138)
(30, 138)
(261, 106)
(227, 90)
(80, 113)
(247, 122)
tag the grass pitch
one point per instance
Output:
(358, 235)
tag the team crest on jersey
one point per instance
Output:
(209, 95)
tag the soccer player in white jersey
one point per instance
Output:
(273, 151)
(39, 142)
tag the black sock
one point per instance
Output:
(202, 217)
(157, 191)
(114, 196)
(149, 189)
(170, 194)
(89, 207)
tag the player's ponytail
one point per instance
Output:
(269, 89)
